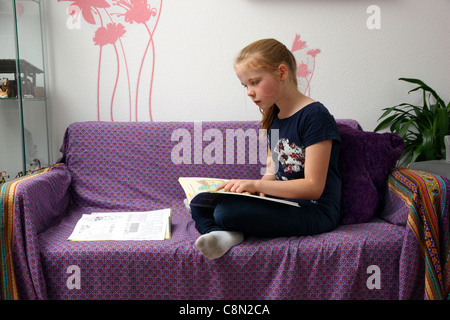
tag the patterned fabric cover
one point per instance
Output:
(129, 166)
(428, 198)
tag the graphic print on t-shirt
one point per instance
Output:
(291, 156)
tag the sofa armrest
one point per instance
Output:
(408, 189)
(427, 198)
(31, 204)
(44, 198)
(396, 203)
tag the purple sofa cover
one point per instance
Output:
(130, 167)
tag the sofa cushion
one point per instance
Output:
(366, 159)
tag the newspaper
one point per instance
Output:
(148, 225)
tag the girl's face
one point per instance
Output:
(262, 86)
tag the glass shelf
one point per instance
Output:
(23, 117)
(24, 99)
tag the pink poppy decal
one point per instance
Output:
(116, 18)
(108, 35)
(136, 10)
(88, 8)
(307, 64)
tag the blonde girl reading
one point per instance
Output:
(304, 160)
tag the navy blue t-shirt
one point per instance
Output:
(310, 125)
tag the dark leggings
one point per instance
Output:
(255, 217)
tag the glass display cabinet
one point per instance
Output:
(24, 136)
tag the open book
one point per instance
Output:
(147, 225)
(201, 192)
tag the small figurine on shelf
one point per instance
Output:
(12, 89)
(27, 88)
(4, 89)
(3, 175)
(20, 174)
(8, 88)
(4, 84)
(35, 166)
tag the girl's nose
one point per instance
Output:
(250, 92)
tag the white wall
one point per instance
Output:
(195, 43)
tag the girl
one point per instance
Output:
(306, 158)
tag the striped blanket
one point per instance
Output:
(7, 206)
(428, 198)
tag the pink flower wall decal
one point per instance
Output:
(136, 10)
(313, 53)
(95, 12)
(108, 35)
(298, 44)
(305, 72)
(302, 70)
(140, 12)
(87, 8)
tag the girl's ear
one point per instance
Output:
(283, 71)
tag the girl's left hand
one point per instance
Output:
(239, 186)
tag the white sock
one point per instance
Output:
(215, 244)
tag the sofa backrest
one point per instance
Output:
(113, 163)
(136, 166)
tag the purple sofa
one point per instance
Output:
(392, 243)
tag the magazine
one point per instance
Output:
(201, 192)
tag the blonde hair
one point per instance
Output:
(268, 54)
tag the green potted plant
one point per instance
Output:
(422, 127)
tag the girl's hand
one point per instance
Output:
(239, 186)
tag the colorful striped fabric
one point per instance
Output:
(7, 196)
(429, 200)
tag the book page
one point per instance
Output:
(194, 186)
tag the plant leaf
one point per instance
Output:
(422, 127)
(404, 129)
(424, 87)
(442, 127)
(416, 153)
(385, 122)
(427, 143)
(425, 105)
